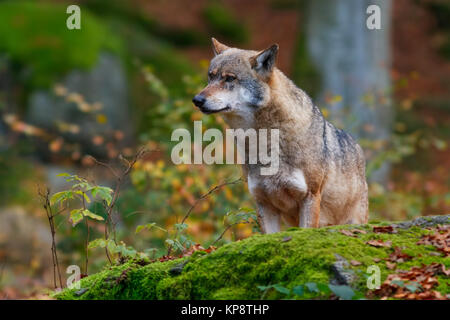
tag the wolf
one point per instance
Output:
(321, 177)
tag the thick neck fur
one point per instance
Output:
(289, 108)
(286, 104)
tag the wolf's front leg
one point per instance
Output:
(310, 211)
(268, 220)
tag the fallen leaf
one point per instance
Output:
(197, 247)
(358, 231)
(347, 233)
(379, 243)
(440, 239)
(355, 263)
(390, 265)
(399, 256)
(384, 229)
(413, 284)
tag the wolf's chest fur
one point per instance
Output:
(281, 191)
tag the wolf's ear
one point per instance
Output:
(218, 47)
(264, 61)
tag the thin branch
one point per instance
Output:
(50, 216)
(106, 166)
(137, 212)
(120, 178)
(226, 229)
(110, 225)
(203, 197)
(87, 238)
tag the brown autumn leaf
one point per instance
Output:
(379, 243)
(414, 284)
(166, 258)
(384, 229)
(399, 256)
(355, 263)
(347, 233)
(210, 249)
(390, 265)
(440, 239)
(444, 271)
(197, 247)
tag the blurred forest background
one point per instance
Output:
(126, 80)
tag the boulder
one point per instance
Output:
(92, 103)
(298, 263)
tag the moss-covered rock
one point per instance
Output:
(286, 259)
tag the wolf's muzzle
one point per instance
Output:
(199, 100)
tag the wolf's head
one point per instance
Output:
(237, 81)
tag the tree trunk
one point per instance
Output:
(354, 63)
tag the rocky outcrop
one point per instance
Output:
(298, 264)
(94, 101)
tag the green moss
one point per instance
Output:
(35, 38)
(235, 270)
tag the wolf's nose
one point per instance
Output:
(199, 100)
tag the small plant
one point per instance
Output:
(83, 191)
(180, 240)
(83, 195)
(241, 216)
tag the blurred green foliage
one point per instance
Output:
(35, 39)
(304, 73)
(14, 170)
(118, 9)
(440, 9)
(222, 23)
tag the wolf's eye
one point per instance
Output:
(230, 78)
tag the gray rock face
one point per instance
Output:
(23, 238)
(424, 222)
(105, 87)
(342, 272)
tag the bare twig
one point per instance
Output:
(87, 238)
(50, 216)
(110, 225)
(120, 178)
(203, 197)
(228, 227)
(107, 166)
